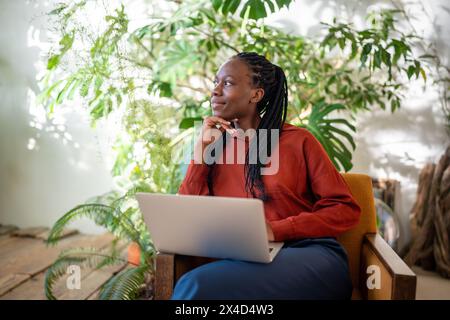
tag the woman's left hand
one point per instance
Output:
(270, 235)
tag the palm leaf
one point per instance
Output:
(329, 135)
(84, 258)
(125, 285)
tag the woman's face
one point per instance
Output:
(233, 95)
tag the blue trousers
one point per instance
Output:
(303, 269)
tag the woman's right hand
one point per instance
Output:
(212, 129)
(214, 123)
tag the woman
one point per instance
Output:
(306, 202)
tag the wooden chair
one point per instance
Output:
(364, 247)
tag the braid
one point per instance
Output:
(272, 107)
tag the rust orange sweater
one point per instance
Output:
(308, 196)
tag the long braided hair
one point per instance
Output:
(272, 108)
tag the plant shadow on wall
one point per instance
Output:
(159, 76)
(409, 135)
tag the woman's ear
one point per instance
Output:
(257, 95)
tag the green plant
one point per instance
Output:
(159, 75)
(119, 215)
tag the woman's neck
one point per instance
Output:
(248, 123)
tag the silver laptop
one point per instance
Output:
(215, 227)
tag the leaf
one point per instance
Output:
(99, 110)
(341, 42)
(74, 86)
(98, 83)
(187, 123)
(424, 75)
(283, 3)
(354, 50)
(365, 34)
(84, 89)
(102, 215)
(400, 48)
(331, 137)
(417, 68)
(411, 70)
(82, 257)
(230, 6)
(365, 52)
(257, 9)
(176, 61)
(53, 61)
(142, 32)
(217, 4)
(385, 57)
(427, 56)
(66, 42)
(395, 104)
(366, 49)
(125, 285)
(58, 10)
(163, 89)
(62, 94)
(377, 59)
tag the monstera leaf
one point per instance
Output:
(176, 61)
(331, 133)
(256, 8)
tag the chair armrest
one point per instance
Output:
(164, 276)
(170, 268)
(397, 281)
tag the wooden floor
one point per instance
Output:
(24, 258)
(431, 286)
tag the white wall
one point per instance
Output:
(48, 169)
(38, 185)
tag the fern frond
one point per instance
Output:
(82, 257)
(106, 198)
(138, 187)
(102, 215)
(125, 285)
